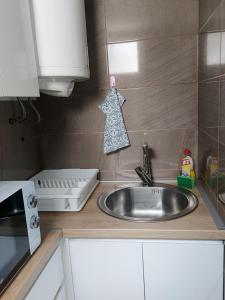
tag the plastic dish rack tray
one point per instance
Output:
(64, 189)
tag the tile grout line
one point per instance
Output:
(210, 16)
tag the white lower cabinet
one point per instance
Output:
(150, 270)
(61, 294)
(175, 270)
(49, 282)
(107, 270)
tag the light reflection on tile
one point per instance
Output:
(161, 61)
(212, 58)
(123, 58)
(222, 52)
(209, 55)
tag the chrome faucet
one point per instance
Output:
(145, 172)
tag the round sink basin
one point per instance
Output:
(148, 204)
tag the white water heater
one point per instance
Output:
(61, 40)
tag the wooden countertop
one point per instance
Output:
(93, 223)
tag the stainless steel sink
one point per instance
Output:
(148, 204)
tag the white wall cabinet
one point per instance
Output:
(175, 270)
(107, 270)
(150, 270)
(18, 71)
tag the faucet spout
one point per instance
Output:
(146, 161)
(145, 172)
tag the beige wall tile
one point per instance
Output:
(77, 151)
(71, 150)
(80, 114)
(167, 146)
(206, 9)
(222, 104)
(222, 52)
(161, 107)
(216, 20)
(209, 99)
(20, 160)
(222, 136)
(164, 18)
(95, 19)
(159, 175)
(132, 156)
(19, 148)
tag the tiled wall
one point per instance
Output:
(157, 75)
(19, 149)
(212, 96)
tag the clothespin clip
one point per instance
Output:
(112, 82)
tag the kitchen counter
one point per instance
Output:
(93, 223)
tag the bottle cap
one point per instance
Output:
(187, 152)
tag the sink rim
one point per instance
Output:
(191, 197)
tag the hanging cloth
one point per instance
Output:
(115, 134)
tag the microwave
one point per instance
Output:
(19, 227)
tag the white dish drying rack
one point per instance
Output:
(64, 189)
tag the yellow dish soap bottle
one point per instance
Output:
(187, 177)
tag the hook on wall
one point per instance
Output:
(112, 82)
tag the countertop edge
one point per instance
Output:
(144, 234)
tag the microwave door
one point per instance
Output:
(14, 242)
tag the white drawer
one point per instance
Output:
(49, 281)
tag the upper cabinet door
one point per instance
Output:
(107, 270)
(18, 71)
(186, 270)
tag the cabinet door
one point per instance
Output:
(49, 281)
(18, 72)
(183, 270)
(111, 270)
(61, 294)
